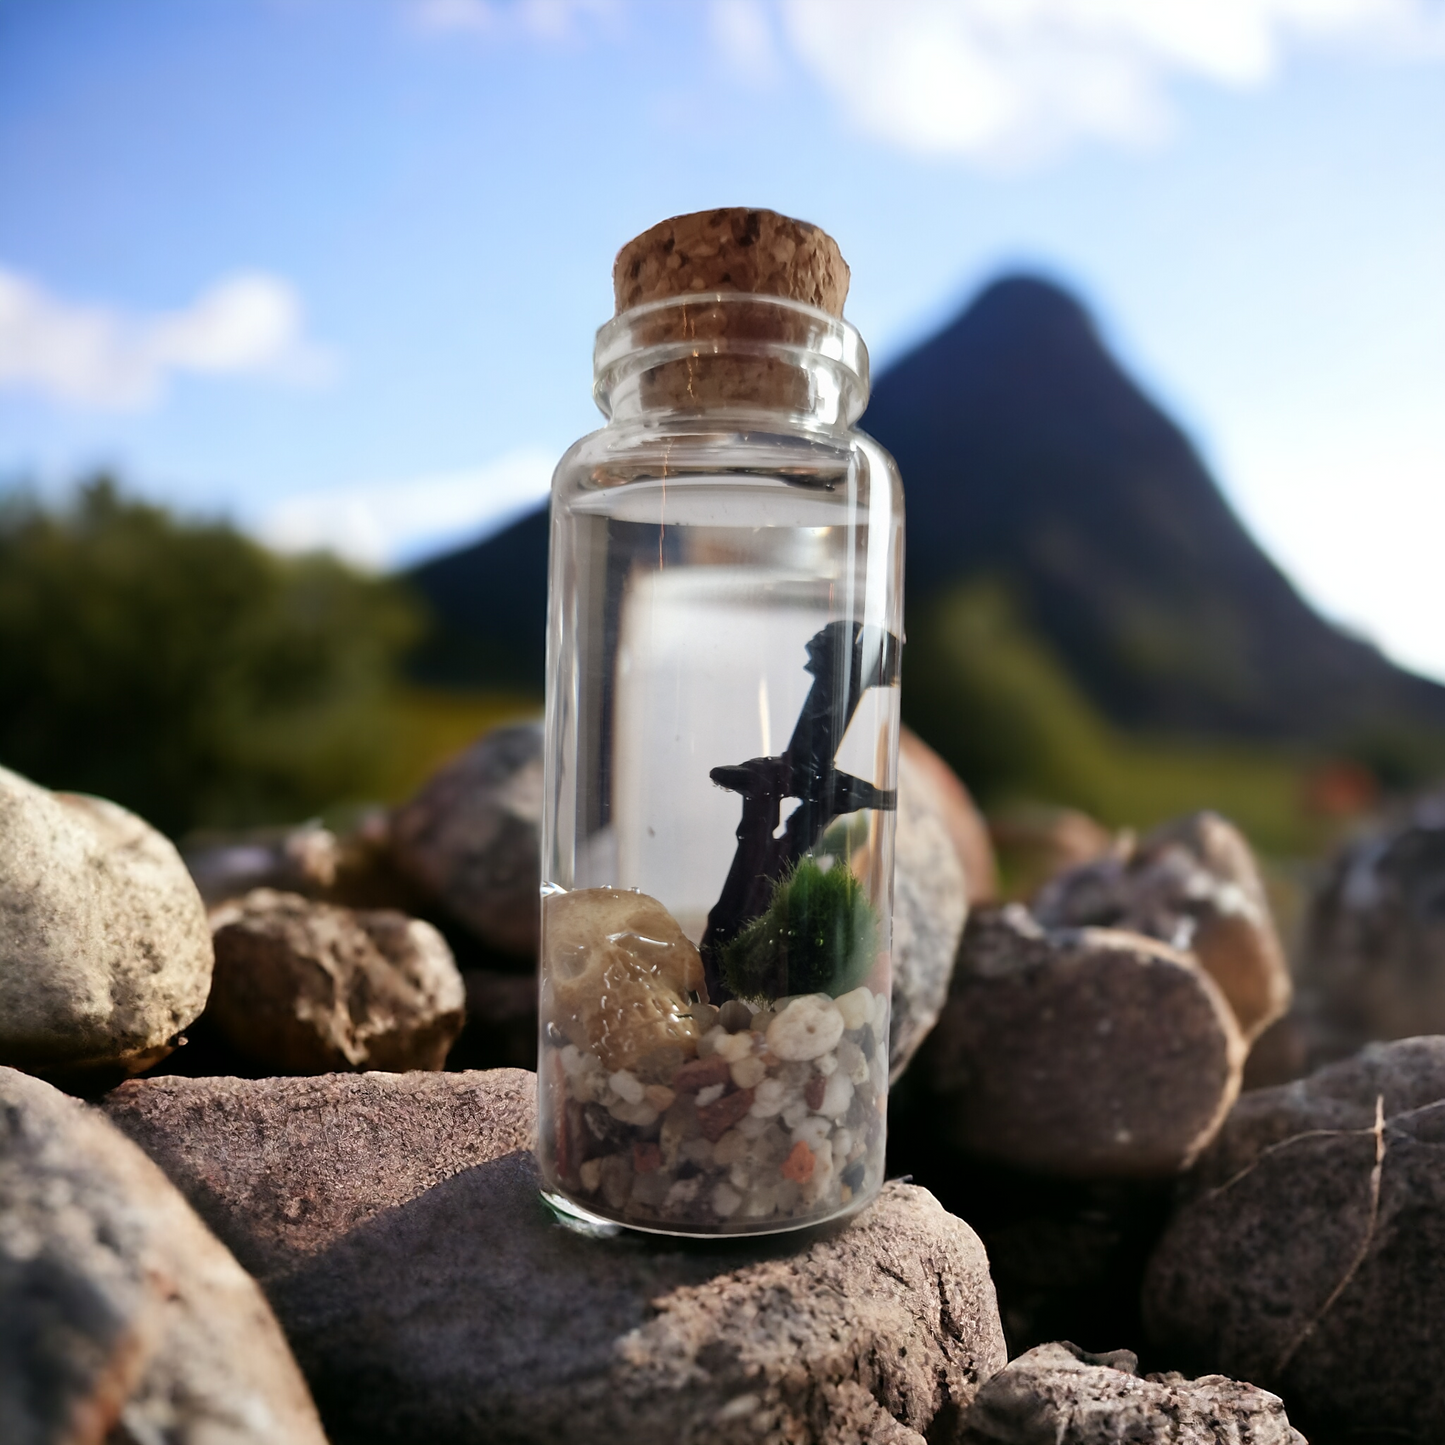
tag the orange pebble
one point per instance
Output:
(647, 1157)
(798, 1166)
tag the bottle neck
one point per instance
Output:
(719, 355)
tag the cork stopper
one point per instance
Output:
(733, 249)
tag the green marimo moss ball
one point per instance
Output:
(819, 935)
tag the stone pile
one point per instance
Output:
(393, 1220)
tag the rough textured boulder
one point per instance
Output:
(930, 904)
(105, 955)
(1059, 1395)
(118, 1310)
(960, 815)
(308, 988)
(1375, 942)
(1194, 885)
(469, 839)
(1087, 1053)
(396, 1224)
(1311, 1255)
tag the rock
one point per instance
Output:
(1308, 1257)
(1087, 1053)
(1059, 1395)
(1375, 941)
(470, 838)
(396, 1224)
(301, 860)
(1192, 884)
(620, 971)
(105, 955)
(961, 818)
(1035, 843)
(930, 897)
(307, 988)
(501, 1027)
(121, 1318)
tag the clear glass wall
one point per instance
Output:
(722, 728)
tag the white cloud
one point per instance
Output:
(743, 33)
(387, 523)
(550, 20)
(97, 356)
(1010, 82)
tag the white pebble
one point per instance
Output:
(684, 1191)
(627, 1086)
(808, 1028)
(812, 1131)
(707, 1044)
(880, 1014)
(698, 1151)
(837, 1096)
(642, 1115)
(842, 1143)
(878, 1070)
(734, 1047)
(769, 1098)
(795, 1113)
(709, 1095)
(852, 1061)
(856, 1007)
(826, 1064)
(725, 1201)
(748, 1073)
(752, 1125)
(591, 1174)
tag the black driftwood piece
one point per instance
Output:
(846, 659)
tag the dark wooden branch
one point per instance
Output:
(846, 659)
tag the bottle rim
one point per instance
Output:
(710, 323)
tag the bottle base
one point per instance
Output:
(580, 1220)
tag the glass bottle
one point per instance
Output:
(722, 741)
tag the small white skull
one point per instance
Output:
(618, 972)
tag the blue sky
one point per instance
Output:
(333, 266)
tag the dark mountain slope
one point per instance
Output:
(1028, 454)
(1031, 459)
(489, 602)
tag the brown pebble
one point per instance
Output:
(798, 1166)
(717, 1118)
(735, 1016)
(646, 1158)
(692, 1078)
(813, 1094)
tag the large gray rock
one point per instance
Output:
(309, 988)
(1375, 943)
(1193, 884)
(395, 1222)
(960, 814)
(1310, 1256)
(105, 955)
(930, 904)
(1086, 1053)
(1059, 1395)
(470, 838)
(119, 1312)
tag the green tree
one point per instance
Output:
(183, 670)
